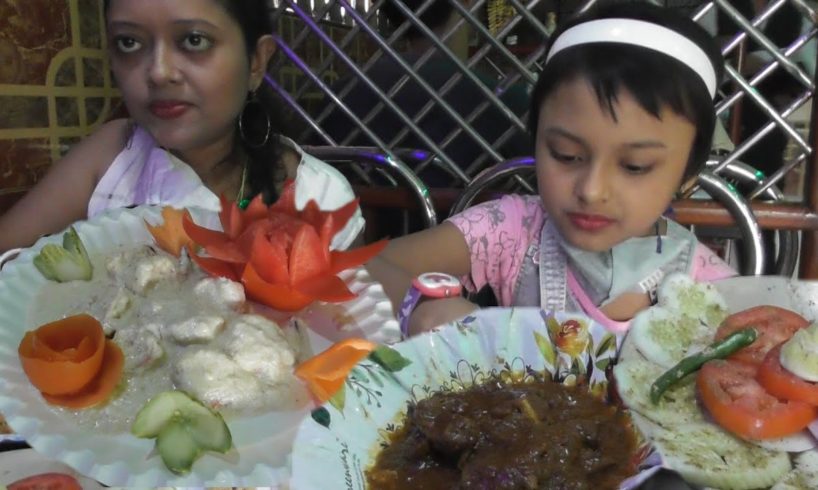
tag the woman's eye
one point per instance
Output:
(196, 42)
(564, 157)
(127, 44)
(635, 169)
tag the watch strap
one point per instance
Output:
(407, 306)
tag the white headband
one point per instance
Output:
(640, 33)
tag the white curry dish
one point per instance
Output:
(177, 328)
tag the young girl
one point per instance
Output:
(191, 74)
(622, 114)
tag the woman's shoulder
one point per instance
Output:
(97, 151)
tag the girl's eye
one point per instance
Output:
(196, 42)
(634, 169)
(564, 157)
(127, 44)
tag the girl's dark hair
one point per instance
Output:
(265, 168)
(653, 78)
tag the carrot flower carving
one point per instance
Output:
(280, 254)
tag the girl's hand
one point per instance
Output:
(433, 313)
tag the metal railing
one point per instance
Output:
(336, 50)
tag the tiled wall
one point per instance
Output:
(54, 85)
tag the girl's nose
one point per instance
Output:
(163, 67)
(593, 184)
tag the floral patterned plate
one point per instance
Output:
(343, 437)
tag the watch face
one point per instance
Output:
(438, 284)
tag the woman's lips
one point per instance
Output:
(589, 222)
(170, 109)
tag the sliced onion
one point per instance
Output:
(796, 443)
(813, 428)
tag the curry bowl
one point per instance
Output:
(510, 347)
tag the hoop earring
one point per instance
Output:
(252, 104)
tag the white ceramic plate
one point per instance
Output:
(338, 442)
(263, 442)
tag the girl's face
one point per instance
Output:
(182, 67)
(604, 180)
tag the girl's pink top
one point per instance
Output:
(499, 233)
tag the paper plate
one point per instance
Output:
(340, 440)
(738, 293)
(263, 442)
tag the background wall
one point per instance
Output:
(54, 85)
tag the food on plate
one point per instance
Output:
(170, 236)
(736, 401)
(101, 388)
(803, 476)
(71, 362)
(781, 382)
(326, 372)
(682, 322)
(678, 405)
(799, 354)
(183, 429)
(540, 434)
(706, 455)
(737, 422)
(178, 328)
(280, 254)
(65, 263)
(46, 481)
(4, 426)
(774, 325)
(717, 350)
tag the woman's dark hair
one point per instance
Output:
(264, 169)
(653, 78)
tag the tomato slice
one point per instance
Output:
(738, 403)
(773, 324)
(47, 481)
(782, 383)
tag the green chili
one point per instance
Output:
(716, 350)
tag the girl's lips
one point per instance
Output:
(589, 222)
(168, 109)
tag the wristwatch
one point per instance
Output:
(431, 285)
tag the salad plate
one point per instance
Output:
(685, 438)
(262, 442)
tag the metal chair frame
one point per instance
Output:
(383, 162)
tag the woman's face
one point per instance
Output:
(605, 178)
(182, 68)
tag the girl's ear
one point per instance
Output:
(265, 48)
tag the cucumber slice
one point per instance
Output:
(164, 407)
(805, 474)
(706, 455)
(183, 428)
(210, 432)
(178, 448)
(678, 405)
(683, 322)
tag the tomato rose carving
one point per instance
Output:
(280, 254)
